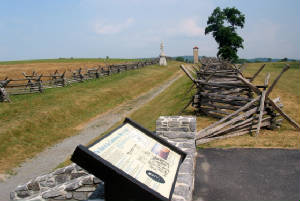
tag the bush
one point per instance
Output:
(180, 59)
(284, 59)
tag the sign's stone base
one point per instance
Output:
(180, 131)
(68, 183)
(72, 183)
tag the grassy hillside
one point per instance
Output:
(32, 122)
(172, 100)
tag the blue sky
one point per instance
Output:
(35, 29)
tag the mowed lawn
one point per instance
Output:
(33, 122)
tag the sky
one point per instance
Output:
(40, 29)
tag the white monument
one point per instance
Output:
(162, 56)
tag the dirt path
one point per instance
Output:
(50, 158)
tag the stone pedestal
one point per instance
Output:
(180, 131)
(162, 61)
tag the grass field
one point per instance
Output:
(14, 69)
(32, 122)
(171, 102)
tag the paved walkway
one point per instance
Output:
(247, 175)
(47, 160)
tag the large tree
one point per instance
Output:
(225, 34)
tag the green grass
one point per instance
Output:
(169, 102)
(174, 98)
(68, 60)
(32, 122)
(288, 82)
(66, 108)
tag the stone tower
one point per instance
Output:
(195, 52)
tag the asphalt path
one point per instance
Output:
(247, 175)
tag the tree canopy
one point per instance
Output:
(284, 59)
(226, 36)
(179, 59)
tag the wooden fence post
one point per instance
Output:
(3, 94)
(39, 83)
(63, 81)
(97, 72)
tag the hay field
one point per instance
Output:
(14, 69)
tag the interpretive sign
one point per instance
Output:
(133, 163)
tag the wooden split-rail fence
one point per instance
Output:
(36, 83)
(242, 107)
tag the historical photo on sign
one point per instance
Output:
(160, 150)
(140, 156)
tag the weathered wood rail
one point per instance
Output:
(29, 84)
(36, 83)
(242, 107)
(219, 90)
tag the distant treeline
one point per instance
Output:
(190, 59)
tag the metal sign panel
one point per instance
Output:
(134, 159)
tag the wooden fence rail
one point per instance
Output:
(242, 107)
(36, 83)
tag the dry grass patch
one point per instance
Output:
(15, 69)
(266, 139)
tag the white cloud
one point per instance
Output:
(190, 28)
(105, 28)
(187, 27)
